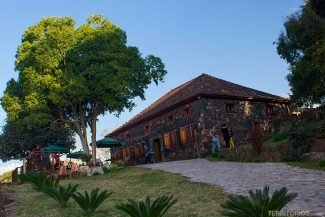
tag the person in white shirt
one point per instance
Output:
(214, 140)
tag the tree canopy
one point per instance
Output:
(302, 45)
(74, 74)
(17, 140)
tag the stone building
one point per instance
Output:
(177, 125)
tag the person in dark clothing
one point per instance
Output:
(147, 153)
(225, 134)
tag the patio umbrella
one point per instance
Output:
(109, 142)
(55, 148)
(76, 154)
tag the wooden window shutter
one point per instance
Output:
(167, 140)
(183, 135)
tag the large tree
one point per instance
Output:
(17, 140)
(302, 45)
(76, 74)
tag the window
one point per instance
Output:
(170, 139)
(146, 129)
(139, 150)
(170, 119)
(128, 136)
(269, 109)
(186, 112)
(187, 134)
(230, 107)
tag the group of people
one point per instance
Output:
(227, 135)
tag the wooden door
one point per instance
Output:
(157, 150)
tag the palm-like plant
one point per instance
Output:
(90, 202)
(59, 193)
(258, 203)
(146, 208)
(39, 179)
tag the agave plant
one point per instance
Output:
(59, 193)
(38, 179)
(156, 208)
(258, 203)
(90, 202)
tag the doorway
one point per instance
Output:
(156, 143)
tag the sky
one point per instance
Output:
(231, 40)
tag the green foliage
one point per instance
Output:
(218, 155)
(258, 203)
(322, 163)
(85, 158)
(278, 137)
(105, 169)
(299, 143)
(302, 45)
(114, 167)
(119, 163)
(90, 202)
(59, 193)
(318, 7)
(147, 208)
(72, 74)
(96, 174)
(38, 179)
(18, 138)
(23, 178)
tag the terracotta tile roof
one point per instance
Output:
(205, 86)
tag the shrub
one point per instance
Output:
(114, 167)
(90, 202)
(105, 169)
(298, 145)
(156, 208)
(96, 174)
(218, 155)
(258, 203)
(322, 163)
(59, 193)
(277, 137)
(119, 163)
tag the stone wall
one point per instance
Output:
(208, 112)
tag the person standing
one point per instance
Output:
(231, 140)
(147, 153)
(225, 134)
(215, 142)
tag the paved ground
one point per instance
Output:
(237, 178)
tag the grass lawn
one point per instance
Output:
(194, 199)
(307, 165)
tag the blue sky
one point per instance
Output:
(232, 40)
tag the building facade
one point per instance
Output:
(177, 125)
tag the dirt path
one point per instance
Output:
(8, 201)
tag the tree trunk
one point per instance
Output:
(83, 140)
(93, 140)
